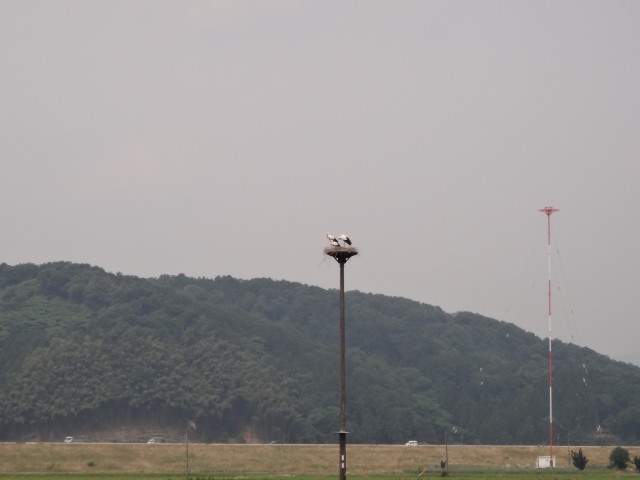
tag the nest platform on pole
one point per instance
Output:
(342, 254)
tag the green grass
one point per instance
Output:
(461, 474)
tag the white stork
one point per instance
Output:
(332, 240)
(345, 239)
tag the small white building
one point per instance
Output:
(545, 461)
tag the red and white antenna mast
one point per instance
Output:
(549, 211)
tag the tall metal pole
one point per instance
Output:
(186, 439)
(342, 433)
(446, 452)
(549, 211)
(342, 254)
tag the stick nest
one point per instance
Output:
(341, 253)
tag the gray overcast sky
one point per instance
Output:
(227, 137)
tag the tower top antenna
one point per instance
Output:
(548, 210)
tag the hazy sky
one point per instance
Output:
(227, 137)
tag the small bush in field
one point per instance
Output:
(579, 459)
(619, 458)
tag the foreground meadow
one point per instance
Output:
(460, 475)
(48, 461)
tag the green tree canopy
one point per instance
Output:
(83, 348)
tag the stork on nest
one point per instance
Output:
(341, 252)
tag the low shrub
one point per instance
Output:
(579, 459)
(619, 458)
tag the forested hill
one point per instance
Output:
(83, 350)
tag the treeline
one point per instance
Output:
(84, 349)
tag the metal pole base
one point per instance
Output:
(343, 455)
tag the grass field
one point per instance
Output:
(317, 462)
(476, 475)
(458, 475)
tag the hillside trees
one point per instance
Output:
(142, 359)
(82, 348)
